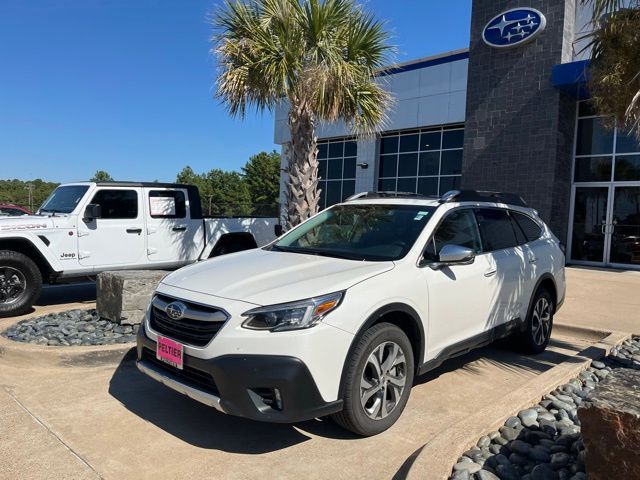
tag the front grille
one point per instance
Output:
(186, 330)
(198, 378)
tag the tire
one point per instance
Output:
(365, 419)
(20, 283)
(539, 324)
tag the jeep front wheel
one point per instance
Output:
(20, 283)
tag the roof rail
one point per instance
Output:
(387, 194)
(482, 196)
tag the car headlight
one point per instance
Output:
(292, 316)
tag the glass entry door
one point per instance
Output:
(606, 225)
(624, 226)
(590, 209)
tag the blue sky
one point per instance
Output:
(127, 85)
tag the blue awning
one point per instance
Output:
(572, 78)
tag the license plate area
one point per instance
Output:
(170, 352)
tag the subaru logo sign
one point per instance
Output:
(175, 310)
(514, 27)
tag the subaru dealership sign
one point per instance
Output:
(513, 27)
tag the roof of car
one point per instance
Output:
(134, 184)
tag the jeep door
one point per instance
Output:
(116, 238)
(459, 296)
(172, 236)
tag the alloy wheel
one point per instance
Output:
(383, 380)
(541, 321)
(12, 285)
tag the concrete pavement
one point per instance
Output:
(85, 415)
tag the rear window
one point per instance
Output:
(529, 227)
(167, 204)
(496, 229)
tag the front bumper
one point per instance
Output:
(237, 384)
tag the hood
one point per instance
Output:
(23, 223)
(266, 277)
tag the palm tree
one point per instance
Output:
(319, 55)
(615, 63)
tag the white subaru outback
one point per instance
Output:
(338, 315)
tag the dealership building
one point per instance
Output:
(510, 113)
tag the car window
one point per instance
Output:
(119, 204)
(496, 229)
(458, 228)
(167, 204)
(520, 236)
(529, 227)
(64, 199)
(372, 232)
(11, 212)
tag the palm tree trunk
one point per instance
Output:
(303, 195)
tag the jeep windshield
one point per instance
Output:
(63, 199)
(372, 232)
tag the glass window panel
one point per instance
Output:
(322, 168)
(334, 192)
(593, 169)
(334, 169)
(452, 138)
(593, 137)
(389, 145)
(451, 162)
(448, 183)
(529, 227)
(175, 207)
(388, 165)
(627, 143)
(336, 149)
(627, 168)
(348, 188)
(117, 203)
(387, 184)
(407, 185)
(430, 141)
(349, 168)
(409, 143)
(350, 149)
(496, 229)
(323, 150)
(408, 166)
(458, 228)
(428, 186)
(585, 109)
(429, 163)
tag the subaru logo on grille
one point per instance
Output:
(175, 310)
(514, 27)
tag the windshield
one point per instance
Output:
(64, 199)
(359, 232)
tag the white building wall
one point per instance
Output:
(430, 95)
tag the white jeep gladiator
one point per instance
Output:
(85, 228)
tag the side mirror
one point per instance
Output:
(453, 255)
(92, 211)
(277, 229)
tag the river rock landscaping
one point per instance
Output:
(74, 327)
(544, 442)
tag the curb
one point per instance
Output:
(29, 355)
(435, 459)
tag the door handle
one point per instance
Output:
(533, 260)
(134, 230)
(490, 273)
(180, 228)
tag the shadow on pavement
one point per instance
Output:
(502, 355)
(70, 293)
(203, 426)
